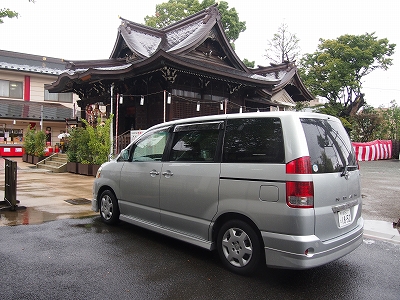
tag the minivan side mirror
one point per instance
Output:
(124, 155)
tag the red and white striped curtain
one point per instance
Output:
(375, 150)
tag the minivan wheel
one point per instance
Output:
(109, 210)
(239, 247)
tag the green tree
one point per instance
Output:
(365, 125)
(390, 127)
(8, 13)
(284, 46)
(176, 10)
(249, 64)
(335, 71)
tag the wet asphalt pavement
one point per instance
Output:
(86, 259)
(83, 258)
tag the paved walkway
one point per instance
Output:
(47, 196)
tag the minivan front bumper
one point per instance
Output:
(303, 252)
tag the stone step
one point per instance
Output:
(59, 159)
(53, 169)
(56, 163)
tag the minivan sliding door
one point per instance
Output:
(190, 178)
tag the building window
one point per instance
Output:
(11, 89)
(57, 97)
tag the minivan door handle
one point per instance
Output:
(154, 173)
(167, 174)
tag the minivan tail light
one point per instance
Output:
(299, 194)
(300, 165)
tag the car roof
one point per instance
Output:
(222, 117)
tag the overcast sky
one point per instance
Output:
(87, 29)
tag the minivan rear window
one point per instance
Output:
(253, 140)
(329, 146)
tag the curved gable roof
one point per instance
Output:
(137, 41)
(288, 77)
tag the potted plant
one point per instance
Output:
(88, 147)
(29, 145)
(99, 144)
(72, 159)
(40, 146)
(83, 155)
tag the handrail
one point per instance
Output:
(43, 160)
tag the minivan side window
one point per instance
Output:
(253, 140)
(195, 142)
(329, 146)
(151, 147)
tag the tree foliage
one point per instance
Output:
(365, 126)
(284, 46)
(176, 10)
(29, 141)
(8, 13)
(99, 141)
(390, 126)
(249, 64)
(335, 71)
(90, 145)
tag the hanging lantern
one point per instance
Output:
(141, 100)
(198, 106)
(121, 99)
(240, 110)
(221, 106)
(169, 98)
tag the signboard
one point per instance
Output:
(135, 134)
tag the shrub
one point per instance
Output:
(29, 141)
(90, 145)
(35, 142)
(40, 143)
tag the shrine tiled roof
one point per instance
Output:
(178, 38)
(141, 42)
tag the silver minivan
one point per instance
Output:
(280, 188)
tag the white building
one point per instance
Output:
(25, 102)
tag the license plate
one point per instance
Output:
(344, 217)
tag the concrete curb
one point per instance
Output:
(381, 236)
(381, 230)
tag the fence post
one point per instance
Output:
(395, 149)
(10, 189)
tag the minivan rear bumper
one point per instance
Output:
(288, 251)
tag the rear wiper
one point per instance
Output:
(346, 169)
(345, 172)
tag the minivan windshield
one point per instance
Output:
(329, 146)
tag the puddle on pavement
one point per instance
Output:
(32, 216)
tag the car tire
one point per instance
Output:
(239, 247)
(109, 210)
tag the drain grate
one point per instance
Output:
(78, 201)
